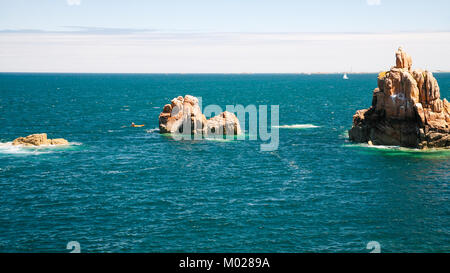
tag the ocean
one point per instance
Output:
(123, 189)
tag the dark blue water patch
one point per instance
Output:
(122, 189)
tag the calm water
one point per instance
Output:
(122, 189)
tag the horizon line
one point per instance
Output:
(210, 73)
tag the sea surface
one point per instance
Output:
(123, 189)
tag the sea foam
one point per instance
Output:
(154, 130)
(398, 150)
(8, 148)
(297, 126)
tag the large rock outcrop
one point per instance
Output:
(184, 116)
(38, 140)
(406, 110)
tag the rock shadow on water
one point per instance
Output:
(206, 138)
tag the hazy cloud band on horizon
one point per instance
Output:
(150, 51)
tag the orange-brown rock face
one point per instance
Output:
(38, 140)
(403, 60)
(406, 110)
(184, 116)
(225, 124)
(181, 114)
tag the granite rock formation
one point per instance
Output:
(226, 122)
(38, 140)
(185, 113)
(406, 110)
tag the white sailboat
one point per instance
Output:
(345, 77)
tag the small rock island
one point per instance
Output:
(187, 111)
(39, 140)
(406, 110)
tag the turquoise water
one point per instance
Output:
(122, 189)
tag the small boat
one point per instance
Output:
(345, 77)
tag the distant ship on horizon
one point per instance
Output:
(345, 77)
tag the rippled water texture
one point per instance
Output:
(122, 189)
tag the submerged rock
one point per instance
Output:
(38, 140)
(184, 115)
(406, 110)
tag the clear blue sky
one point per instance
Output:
(221, 35)
(230, 15)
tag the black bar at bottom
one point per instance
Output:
(224, 262)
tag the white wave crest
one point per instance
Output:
(152, 130)
(8, 148)
(297, 126)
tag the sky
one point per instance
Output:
(221, 36)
